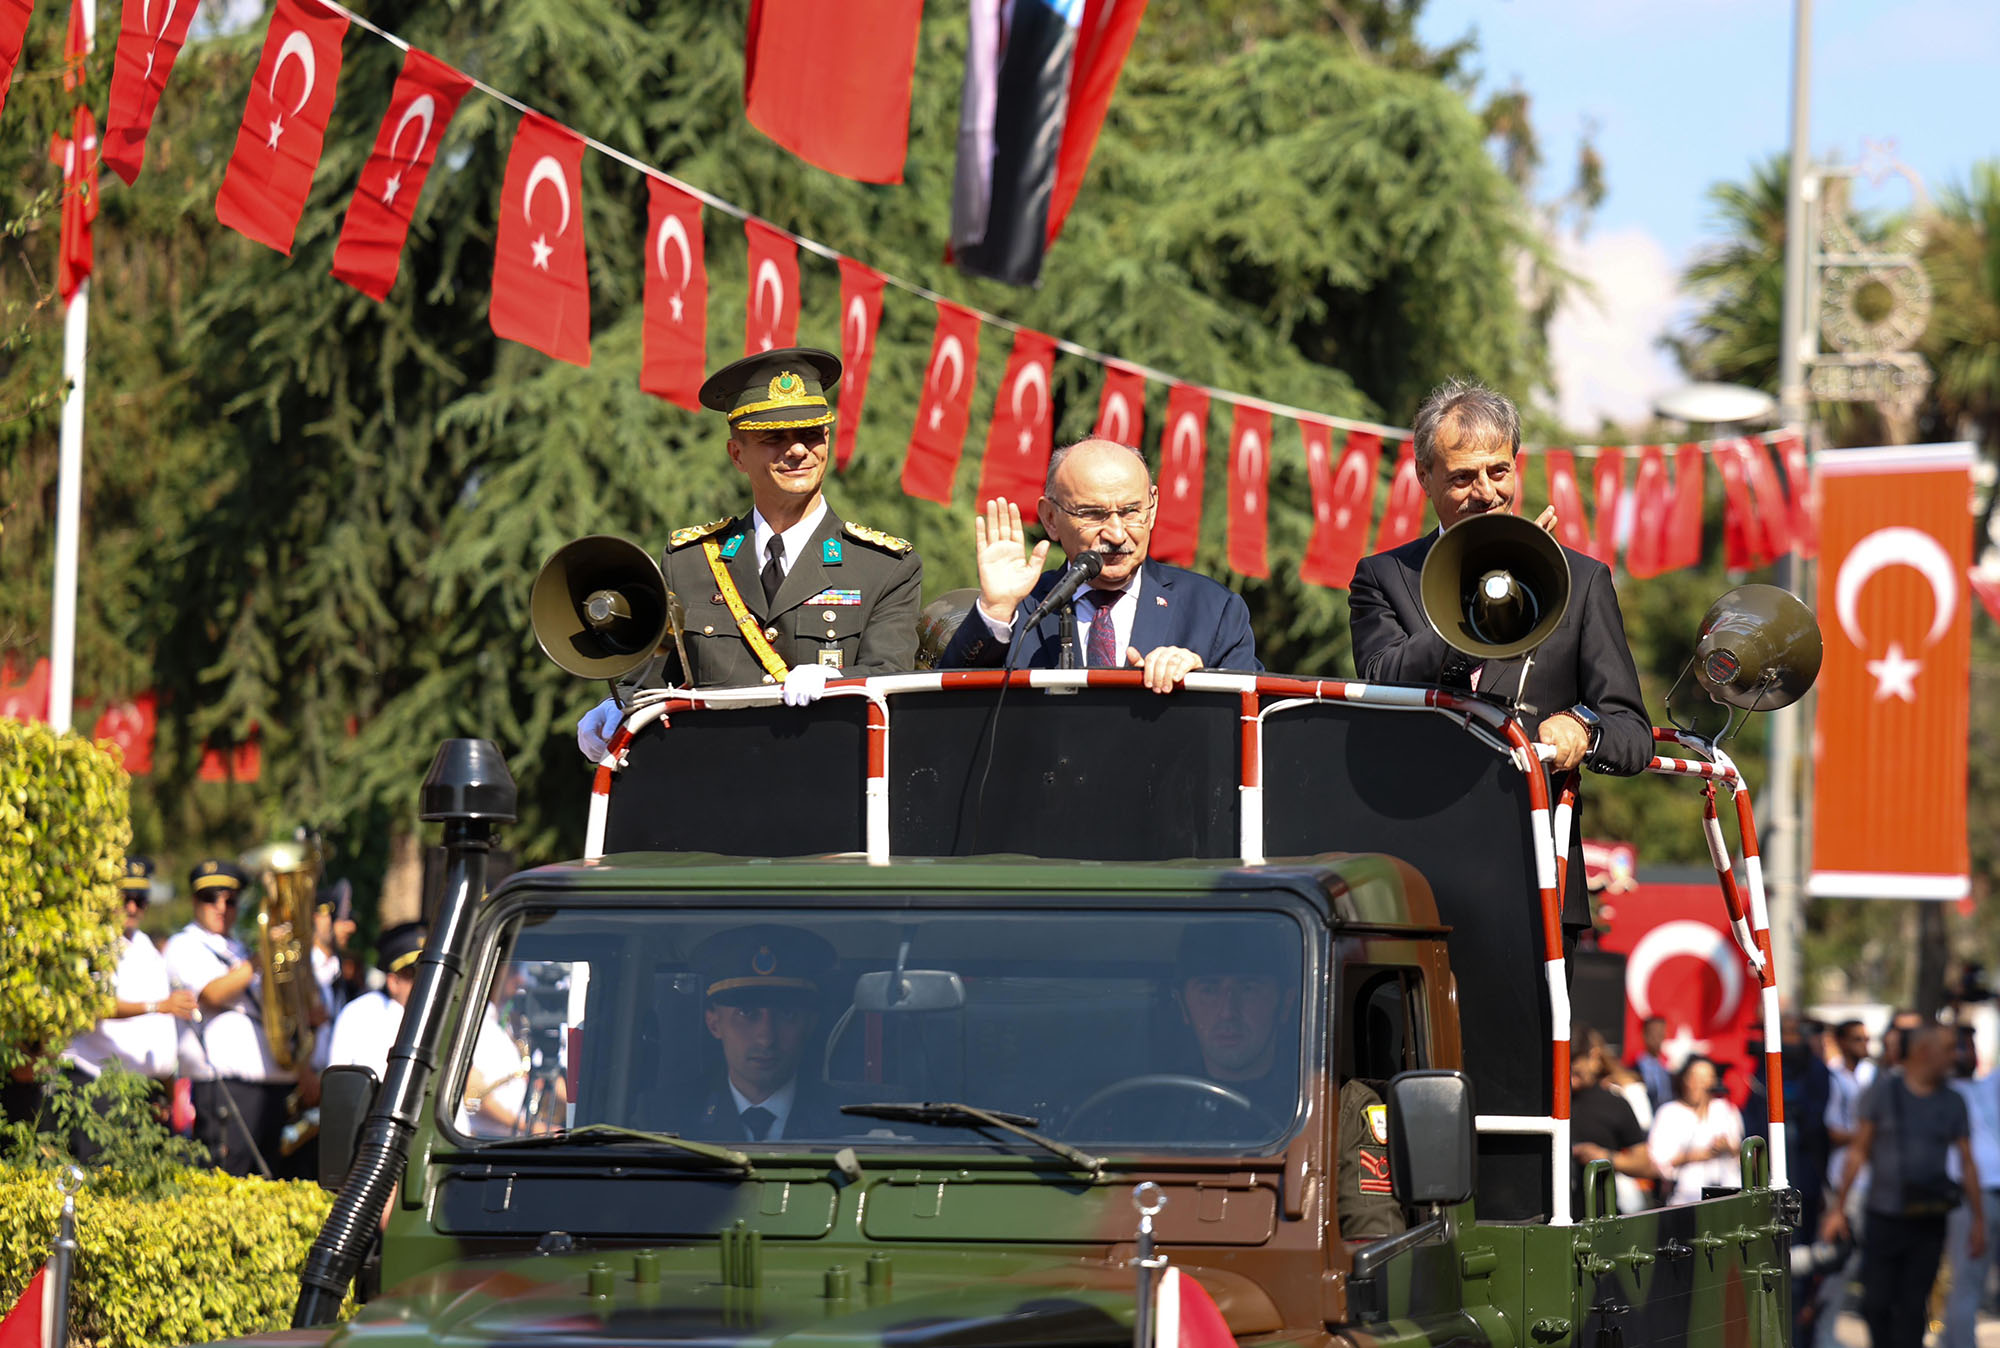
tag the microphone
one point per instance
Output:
(1081, 572)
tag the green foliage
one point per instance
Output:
(137, 1155)
(215, 1258)
(63, 835)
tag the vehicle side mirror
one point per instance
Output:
(1431, 1138)
(345, 1095)
(910, 990)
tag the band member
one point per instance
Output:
(366, 1029)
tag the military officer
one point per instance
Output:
(788, 593)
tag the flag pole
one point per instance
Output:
(1149, 1198)
(67, 1183)
(69, 479)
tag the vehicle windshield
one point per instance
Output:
(1156, 1029)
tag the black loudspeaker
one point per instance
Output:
(601, 607)
(1495, 586)
(1597, 995)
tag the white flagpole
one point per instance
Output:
(69, 480)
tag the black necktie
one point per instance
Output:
(774, 567)
(757, 1120)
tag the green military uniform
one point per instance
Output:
(1368, 1206)
(849, 601)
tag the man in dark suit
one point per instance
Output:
(1582, 686)
(1136, 613)
(762, 990)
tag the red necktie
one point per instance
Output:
(1102, 650)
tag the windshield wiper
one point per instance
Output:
(945, 1113)
(605, 1134)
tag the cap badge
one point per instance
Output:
(764, 963)
(787, 385)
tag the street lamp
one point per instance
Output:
(1715, 404)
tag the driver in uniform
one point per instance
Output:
(761, 992)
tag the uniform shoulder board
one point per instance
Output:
(694, 534)
(888, 542)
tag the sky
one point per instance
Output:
(1681, 94)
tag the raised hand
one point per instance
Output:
(1007, 573)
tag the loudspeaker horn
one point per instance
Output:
(601, 607)
(1495, 586)
(1759, 649)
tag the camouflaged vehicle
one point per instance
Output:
(1009, 890)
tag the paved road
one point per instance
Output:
(1853, 1334)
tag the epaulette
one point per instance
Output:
(887, 542)
(682, 537)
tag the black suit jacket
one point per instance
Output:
(1176, 608)
(813, 1115)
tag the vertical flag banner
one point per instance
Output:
(1343, 502)
(1652, 507)
(1121, 410)
(1681, 546)
(1608, 481)
(1010, 132)
(1572, 525)
(1522, 461)
(852, 115)
(1772, 525)
(675, 345)
(1801, 494)
(139, 71)
(76, 154)
(541, 276)
(938, 438)
(1185, 1316)
(1889, 817)
(1183, 457)
(284, 124)
(1017, 442)
(1249, 482)
(1403, 516)
(1102, 40)
(773, 319)
(28, 700)
(131, 726)
(32, 1321)
(860, 313)
(14, 16)
(1739, 532)
(421, 106)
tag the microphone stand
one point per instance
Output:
(1068, 629)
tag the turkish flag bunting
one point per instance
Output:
(1102, 40)
(131, 726)
(1772, 528)
(1893, 721)
(284, 124)
(1521, 461)
(239, 762)
(1608, 476)
(774, 289)
(1572, 525)
(541, 275)
(852, 115)
(32, 1321)
(1403, 516)
(1681, 544)
(1652, 509)
(421, 106)
(1017, 443)
(1183, 458)
(14, 16)
(27, 701)
(1249, 481)
(1801, 494)
(1185, 1316)
(76, 47)
(939, 435)
(1740, 535)
(676, 328)
(139, 72)
(860, 312)
(77, 155)
(1343, 500)
(1988, 589)
(1121, 410)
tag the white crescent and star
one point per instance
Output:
(1697, 940)
(296, 46)
(146, 22)
(1250, 448)
(767, 274)
(1895, 673)
(546, 170)
(422, 107)
(1033, 376)
(1353, 473)
(1186, 431)
(951, 351)
(855, 322)
(1116, 423)
(673, 230)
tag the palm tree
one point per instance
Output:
(1740, 283)
(1962, 256)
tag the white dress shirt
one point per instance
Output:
(778, 1104)
(365, 1032)
(1982, 1116)
(795, 537)
(145, 1043)
(1124, 606)
(229, 1042)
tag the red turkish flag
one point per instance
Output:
(1521, 461)
(242, 761)
(14, 16)
(860, 313)
(938, 439)
(149, 42)
(131, 726)
(1801, 493)
(1249, 481)
(1682, 964)
(851, 114)
(1988, 589)
(774, 289)
(1572, 525)
(25, 701)
(1343, 503)
(1895, 610)
(1183, 456)
(1652, 510)
(1773, 512)
(1121, 409)
(541, 276)
(32, 1321)
(1102, 40)
(284, 124)
(76, 154)
(1403, 516)
(1185, 1316)
(676, 326)
(1017, 443)
(1608, 476)
(421, 106)
(1740, 534)
(1681, 545)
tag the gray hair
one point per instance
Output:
(1063, 452)
(1468, 405)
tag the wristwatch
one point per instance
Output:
(1593, 724)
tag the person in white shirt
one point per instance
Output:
(1853, 1072)
(139, 1035)
(366, 1028)
(494, 1100)
(240, 1093)
(1968, 1274)
(333, 928)
(1695, 1135)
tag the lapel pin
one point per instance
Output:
(1160, 599)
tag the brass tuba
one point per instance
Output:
(287, 873)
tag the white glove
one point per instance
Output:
(806, 683)
(594, 731)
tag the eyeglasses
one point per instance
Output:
(1102, 515)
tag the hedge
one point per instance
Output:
(218, 1258)
(63, 835)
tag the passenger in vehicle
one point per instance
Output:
(761, 986)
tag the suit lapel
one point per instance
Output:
(1155, 624)
(744, 567)
(808, 575)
